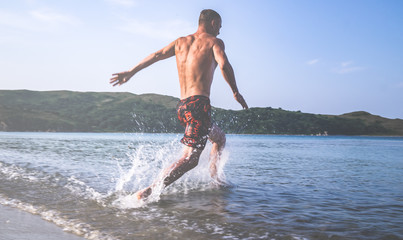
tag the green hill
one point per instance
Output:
(66, 111)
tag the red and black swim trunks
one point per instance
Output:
(194, 113)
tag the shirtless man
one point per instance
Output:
(197, 57)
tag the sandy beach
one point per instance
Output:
(18, 225)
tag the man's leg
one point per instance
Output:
(188, 161)
(217, 137)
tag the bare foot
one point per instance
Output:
(143, 194)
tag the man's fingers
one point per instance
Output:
(244, 104)
(241, 100)
(113, 81)
(115, 76)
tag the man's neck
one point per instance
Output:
(202, 29)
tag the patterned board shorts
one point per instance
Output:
(194, 113)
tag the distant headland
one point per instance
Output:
(67, 111)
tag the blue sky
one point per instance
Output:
(325, 57)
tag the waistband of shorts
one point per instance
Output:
(195, 97)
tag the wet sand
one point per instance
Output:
(18, 225)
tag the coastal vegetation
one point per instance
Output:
(66, 111)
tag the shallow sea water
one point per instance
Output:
(278, 187)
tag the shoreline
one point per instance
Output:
(240, 134)
(15, 224)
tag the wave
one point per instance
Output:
(75, 202)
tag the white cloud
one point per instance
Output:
(347, 67)
(50, 16)
(312, 62)
(169, 30)
(346, 64)
(36, 20)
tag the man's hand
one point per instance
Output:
(240, 99)
(123, 77)
(120, 78)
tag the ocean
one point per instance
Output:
(278, 187)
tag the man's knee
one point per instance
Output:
(217, 136)
(192, 160)
(221, 141)
(221, 138)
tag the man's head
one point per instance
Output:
(211, 20)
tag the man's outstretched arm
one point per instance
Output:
(227, 71)
(123, 77)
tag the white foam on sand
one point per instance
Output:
(16, 224)
(32, 220)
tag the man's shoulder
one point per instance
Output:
(213, 39)
(190, 36)
(184, 39)
(218, 42)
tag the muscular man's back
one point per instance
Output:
(197, 56)
(196, 63)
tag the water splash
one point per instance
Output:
(145, 164)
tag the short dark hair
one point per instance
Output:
(207, 15)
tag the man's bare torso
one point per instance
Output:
(197, 56)
(196, 63)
